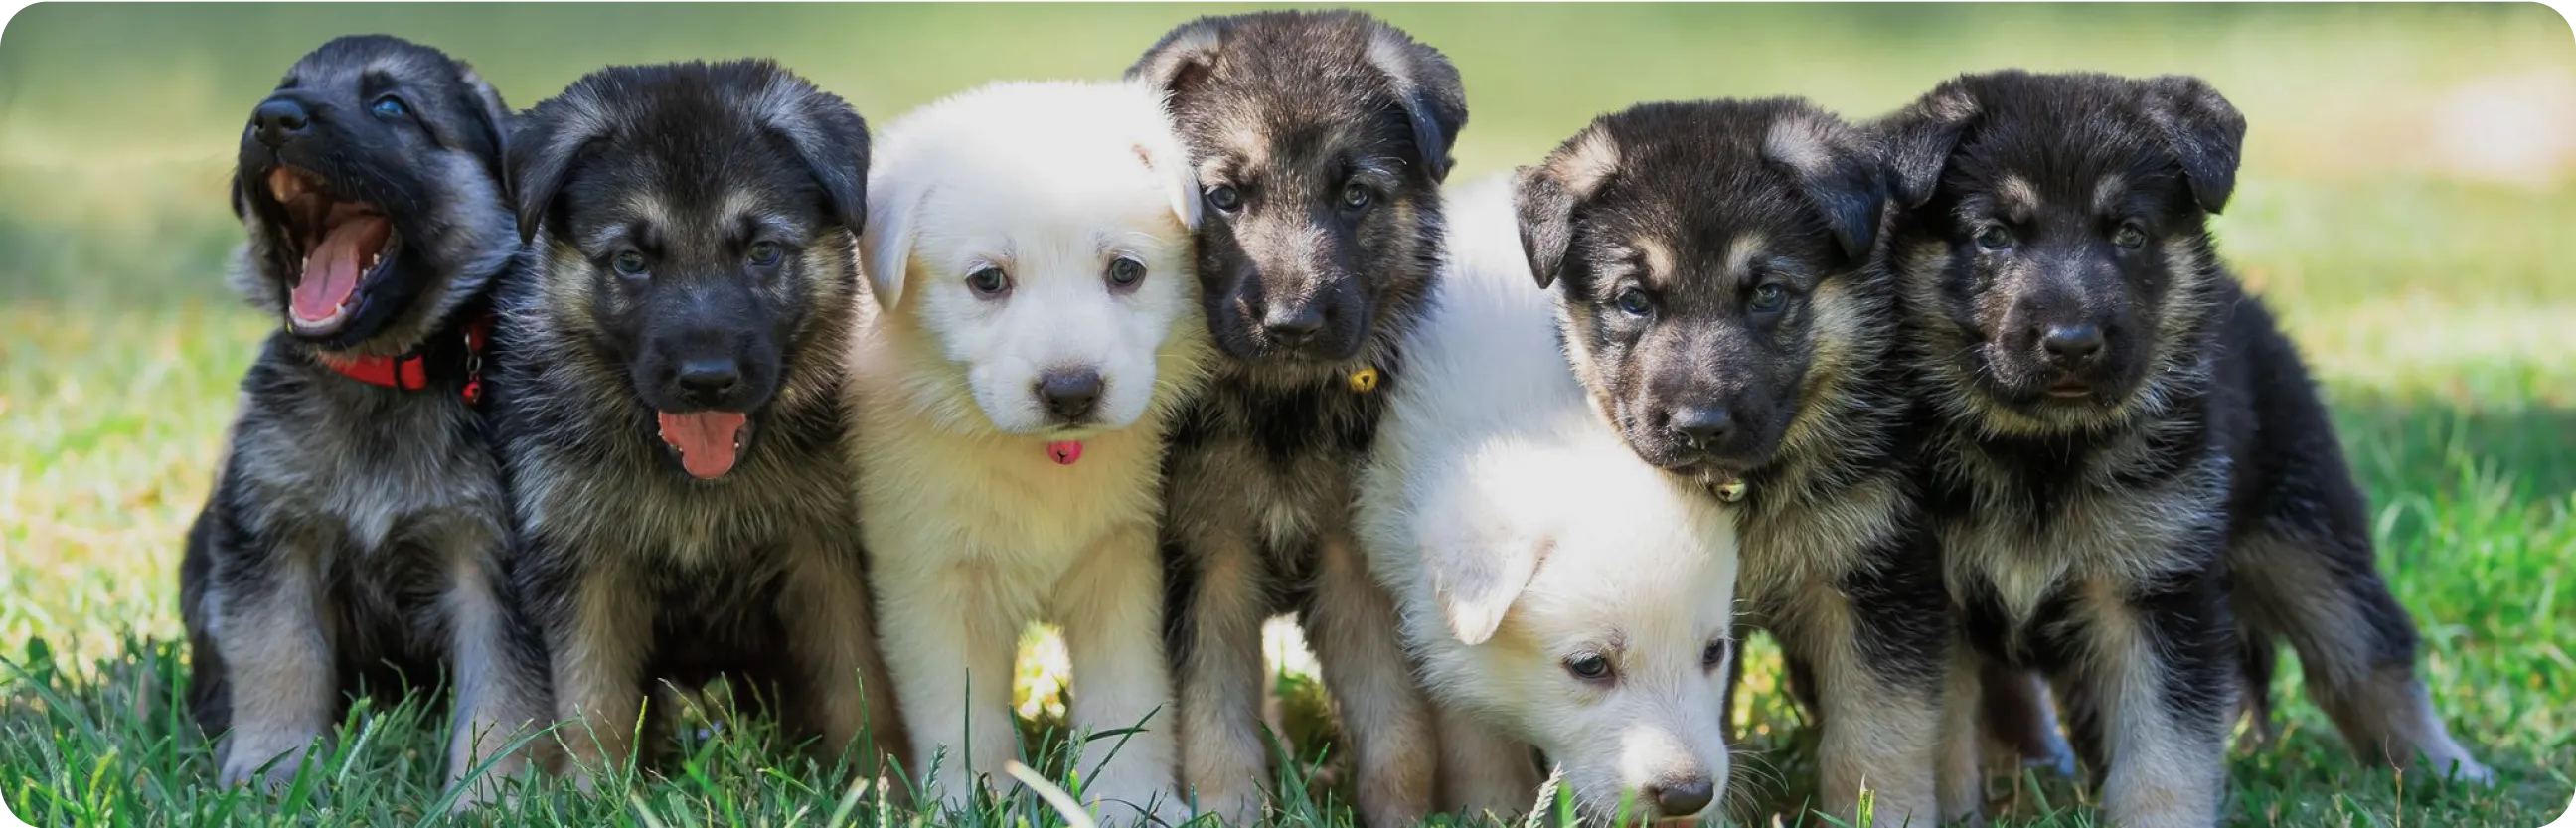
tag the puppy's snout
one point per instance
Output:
(1294, 325)
(2072, 346)
(708, 381)
(1702, 427)
(1681, 794)
(1071, 395)
(280, 119)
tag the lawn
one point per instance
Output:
(2408, 202)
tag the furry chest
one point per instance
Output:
(2021, 559)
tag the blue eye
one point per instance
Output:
(1634, 301)
(389, 107)
(764, 254)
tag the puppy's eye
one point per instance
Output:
(764, 254)
(1768, 299)
(1355, 196)
(1995, 237)
(1634, 302)
(988, 281)
(389, 107)
(1713, 654)
(1588, 667)
(2130, 236)
(629, 263)
(1126, 272)
(1224, 197)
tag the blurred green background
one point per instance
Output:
(2408, 200)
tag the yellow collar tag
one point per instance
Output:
(1364, 380)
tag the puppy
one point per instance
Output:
(1721, 304)
(670, 410)
(1559, 592)
(1320, 141)
(351, 538)
(1035, 323)
(2121, 429)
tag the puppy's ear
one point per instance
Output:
(885, 245)
(1835, 169)
(488, 121)
(2203, 130)
(1434, 98)
(1182, 58)
(1545, 197)
(542, 151)
(1918, 140)
(1165, 159)
(1475, 582)
(832, 141)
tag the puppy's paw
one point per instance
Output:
(266, 764)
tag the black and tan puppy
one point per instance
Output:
(354, 528)
(1320, 140)
(669, 419)
(2120, 426)
(1721, 303)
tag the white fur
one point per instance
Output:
(972, 530)
(1515, 530)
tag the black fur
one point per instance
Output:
(1664, 228)
(637, 569)
(1321, 140)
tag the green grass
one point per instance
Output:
(2435, 300)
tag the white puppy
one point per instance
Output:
(1558, 591)
(1035, 317)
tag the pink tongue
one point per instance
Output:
(332, 272)
(705, 440)
(1064, 452)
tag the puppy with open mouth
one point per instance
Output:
(354, 533)
(1035, 323)
(670, 415)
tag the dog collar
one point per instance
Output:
(410, 372)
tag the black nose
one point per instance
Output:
(1071, 395)
(279, 119)
(1681, 797)
(1293, 325)
(1702, 427)
(2072, 344)
(707, 381)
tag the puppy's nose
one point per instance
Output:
(279, 119)
(1293, 325)
(1070, 395)
(1702, 427)
(1681, 797)
(706, 381)
(2072, 344)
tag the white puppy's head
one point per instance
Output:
(1589, 610)
(1038, 234)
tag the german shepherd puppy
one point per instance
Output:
(2121, 430)
(1722, 305)
(1320, 140)
(355, 524)
(669, 416)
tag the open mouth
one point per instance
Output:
(335, 246)
(708, 442)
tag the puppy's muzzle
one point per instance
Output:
(1071, 396)
(279, 120)
(1681, 795)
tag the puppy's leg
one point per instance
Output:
(1962, 772)
(832, 633)
(1224, 759)
(1879, 677)
(1483, 771)
(950, 635)
(267, 613)
(596, 641)
(2356, 647)
(1384, 719)
(2159, 674)
(1110, 605)
(499, 694)
(2021, 718)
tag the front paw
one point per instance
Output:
(267, 764)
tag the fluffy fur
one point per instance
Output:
(2119, 427)
(692, 269)
(1559, 592)
(1000, 332)
(1319, 141)
(1722, 307)
(351, 538)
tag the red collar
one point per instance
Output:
(410, 372)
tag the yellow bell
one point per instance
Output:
(1731, 490)
(1364, 380)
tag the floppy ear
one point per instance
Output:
(1181, 59)
(1475, 581)
(542, 150)
(1164, 158)
(1918, 140)
(490, 121)
(1434, 98)
(1835, 170)
(885, 245)
(1546, 215)
(832, 141)
(2203, 130)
